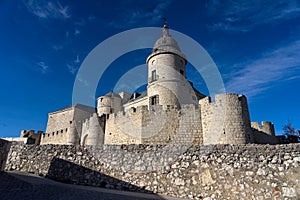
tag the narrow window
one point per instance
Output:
(182, 72)
(154, 100)
(153, 78)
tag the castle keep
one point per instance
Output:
(170, 111)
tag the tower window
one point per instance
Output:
(154, 100)
(153, 77)
(182, 72)
(181, 62)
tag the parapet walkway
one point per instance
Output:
(20, 185)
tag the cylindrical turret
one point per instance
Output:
(95, 132)
(166, 74)
(109, 103)
(72, 135)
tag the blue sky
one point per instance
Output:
(255, 44)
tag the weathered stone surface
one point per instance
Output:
(193, 172)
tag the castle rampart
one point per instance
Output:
(155, 126)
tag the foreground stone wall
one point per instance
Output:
(195, 172)
(4, 149)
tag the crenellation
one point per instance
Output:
(264, 133)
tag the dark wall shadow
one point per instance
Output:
(4, 150)
(20, 185)
(68, 172)
(263, 138)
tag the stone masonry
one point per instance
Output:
(188, 171)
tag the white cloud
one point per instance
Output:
(47, 9)
(43, 67)
(254, 77)
(240, 15)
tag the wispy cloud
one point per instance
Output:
(47, 9)
(254, 77)
(76, 32)
(74, 65)
(72, 68)
(77, 61)
(146, 16)
(42, 67)
(240, 15)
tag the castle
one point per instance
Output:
(170, 111)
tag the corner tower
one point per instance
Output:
(167, 84)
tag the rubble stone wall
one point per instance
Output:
(195, 172)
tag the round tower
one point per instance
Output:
(72, 135)
(109, 103)
(167, 84)
(95, 132)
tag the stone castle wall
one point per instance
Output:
(195, 172)
(155, 126)
(65, 126)
(264, 133)
(58, 126)
(136, 103)
(225, 121)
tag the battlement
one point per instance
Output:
(264, 133)
(32, 136)
(154, 125)
(219, 98)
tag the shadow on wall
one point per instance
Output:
(4, 149)
(263, 138)
(68, 172)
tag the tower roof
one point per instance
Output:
(166, 44)
(110, 95)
